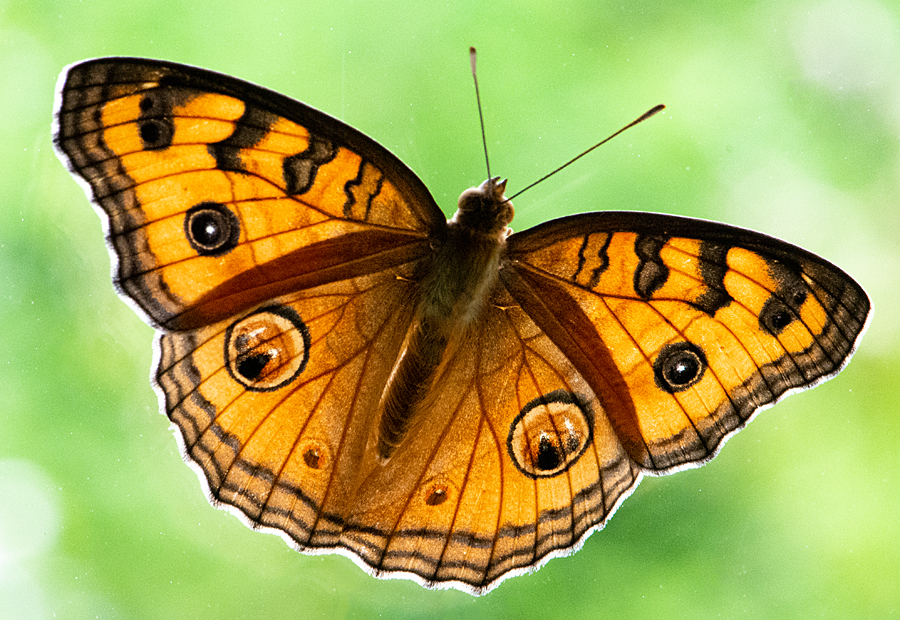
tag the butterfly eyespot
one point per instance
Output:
(150, 133)
(268, 349)
(311, 458)
(212, 229)
(549, 453)
(315, 454)
(314, 457)
(776, 315)
(782, 307)
(436, 495)
(550, 434)
(155, 125)
(678, 366)
(253, 365)
(156, 133)
(437, 491)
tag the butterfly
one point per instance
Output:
(438, 399)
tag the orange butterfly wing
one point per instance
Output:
(282, 254)
(462, 501)
(276, 408)
(687, 327)
(612, 346)
(218, 195)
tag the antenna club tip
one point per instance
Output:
(654, 110)
(647, 115)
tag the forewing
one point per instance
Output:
(218, 194)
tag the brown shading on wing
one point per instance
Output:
(218, 194)
(684, 328)
(516, 462)
(274, 407)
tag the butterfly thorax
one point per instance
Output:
(462, 272)
(484, 210)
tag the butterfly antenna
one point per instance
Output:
(641, 118)
(472, 55)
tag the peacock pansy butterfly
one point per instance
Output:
(439, 400)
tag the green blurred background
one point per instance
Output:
(781, 117)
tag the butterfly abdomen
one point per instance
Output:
(461, 273)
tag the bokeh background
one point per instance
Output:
(782, 116)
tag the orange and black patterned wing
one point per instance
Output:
(684, 328)
(275, 407)
(282, 252)
(278, 250)
(613, 345)
(515, 463)
(218, 195)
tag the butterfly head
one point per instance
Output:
(485, 209)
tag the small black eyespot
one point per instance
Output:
(775, 317)
(678, 366)
(156, 126)
(212, 229)
(150, 133)
(156, 133)
(782, 308)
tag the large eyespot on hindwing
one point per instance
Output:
(212, 229)
(550, 434)
(268, 349)
(678, 366)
